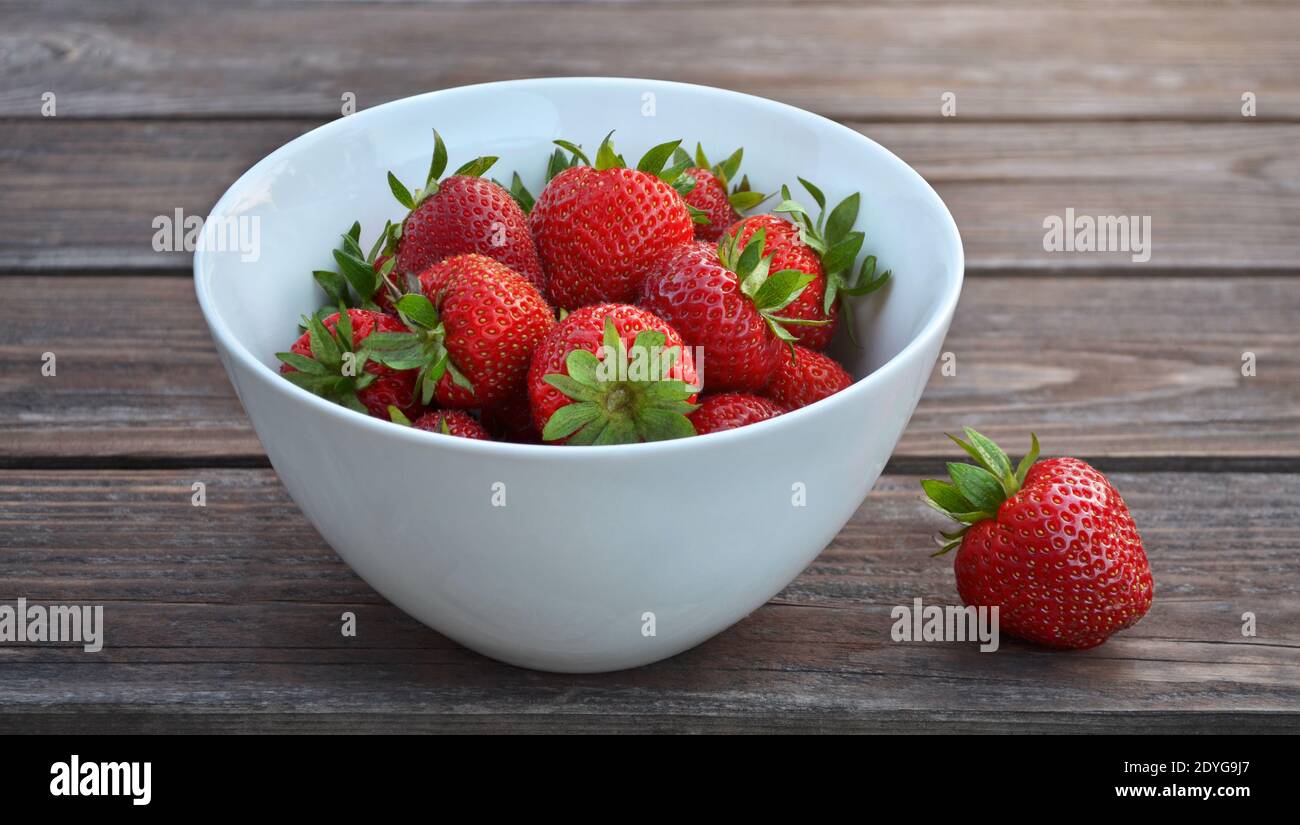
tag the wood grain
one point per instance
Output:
(232, 611)
(1136, 373)
(1036, 61)
(82, 196)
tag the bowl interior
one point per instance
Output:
(298, 201)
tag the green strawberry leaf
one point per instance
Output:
(842, 219)
(569, 418)
(571, 387)
(476, 167)
(606, 157)
(302, 363)
(334, 285)
(395, 415)
(324, 347)
(842, 255)
(990, 454)
(417, 309)
(729, 167)
(400, 192)
(946, 496)
(682, 182)
(980, 487)
(359, 274)
(521, 194)
(745, 200)
(438, 164)
(816, 193)
(662, 425)
(1028, 461)
(781, 288)
(573, 149)
(701, 160)
(654, 160)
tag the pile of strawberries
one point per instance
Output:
(620, 305)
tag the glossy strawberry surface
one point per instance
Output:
(599, 231)
(710, 197)
(701, 298)
(1062, 560)
(805, 376)
(728, 410)
(468, 215)
(493, 318)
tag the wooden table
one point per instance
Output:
(225, 618)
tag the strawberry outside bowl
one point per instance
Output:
(575, 559)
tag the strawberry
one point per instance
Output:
(470, 334)
(612, 374)
(599, 228)
(331, 360)
(728, 410)
(827, 249)
(726, 302)
(447, 422)
(805, 376)
(710, 194)
(1051, 544)
(459, 214)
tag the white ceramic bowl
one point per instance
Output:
(591, 540)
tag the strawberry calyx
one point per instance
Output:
(334, 370)
(770, 292)
(423, 348)
(978, 490)
(832, 236)
(624, 397)
(357, 280)
(741, 197)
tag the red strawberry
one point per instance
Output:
(805, 376)
(460, 214)
(729, 410)
(612, 374)
(330, 360)
(826, 248)
(599, 228)
(710, 196)
(471, 334)
(789, 252)
(1051, 544)
(726, 302)
(447, 422)
(452, 422)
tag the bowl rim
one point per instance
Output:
(940, 315)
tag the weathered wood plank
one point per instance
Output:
(82, 196)
(1060, 60)
(234, 609)
(1146, 371)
